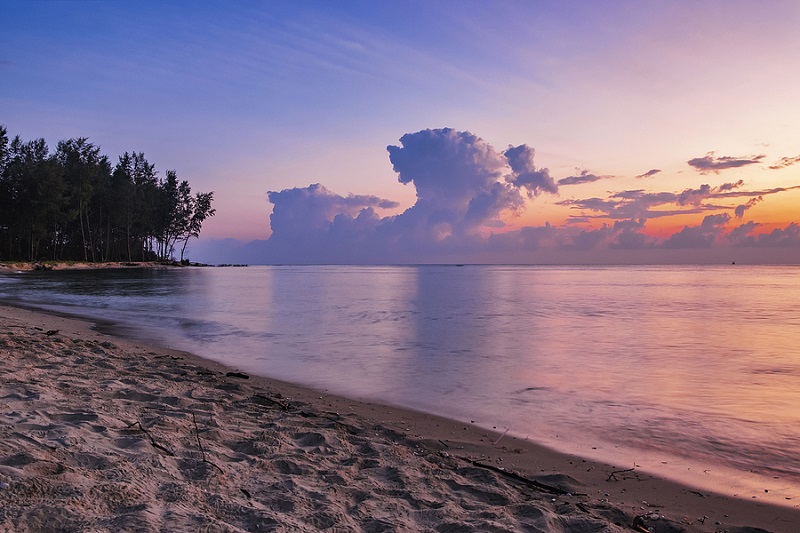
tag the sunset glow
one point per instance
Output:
(664, 131)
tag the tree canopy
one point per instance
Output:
(73, 204)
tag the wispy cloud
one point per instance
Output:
(638, 203)
(584, 177)
(709, 163)
(649, 173)
(785, 162)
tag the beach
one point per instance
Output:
(102, 433)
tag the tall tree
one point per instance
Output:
(83, 168)
(201, 210)
(31, 189)
(71, 205)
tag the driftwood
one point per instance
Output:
(638, 524)
(516, 477)
(612, 476)
(262, 400)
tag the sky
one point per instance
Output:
(437, 132)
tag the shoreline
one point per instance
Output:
(28, 266)
(329, 461)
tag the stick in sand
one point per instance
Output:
(501, 436)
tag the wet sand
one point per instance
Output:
(99, 433)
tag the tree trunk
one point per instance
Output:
(83, 232)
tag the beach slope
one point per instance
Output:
(99, 433)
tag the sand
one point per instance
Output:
(99, 433)
(80, 265)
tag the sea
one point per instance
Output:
(689, 372)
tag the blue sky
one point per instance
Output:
(244, 98)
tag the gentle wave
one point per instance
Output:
(643, 363)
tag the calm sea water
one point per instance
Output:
(692, 372)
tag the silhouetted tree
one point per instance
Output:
(72, 205)
(84, 170)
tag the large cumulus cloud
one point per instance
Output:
(463, 187)
(466, 191)
(457, 176)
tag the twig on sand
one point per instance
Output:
(197, 434)
(200, 445)
(613, 477)
(150, 436)
(501, 436)
(516, 477)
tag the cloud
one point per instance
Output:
(785, 162)
(638, 203)
(467, 194)
(709, 163)
(740, 209)
(762, 192)
(694, 196)
(630, 204)
(629, 235)
(730, 186)
(457, 179)
(313, 224)
(741, 233)
(702, 236)
(463, 186)
(649, 173)
(530, 238)
(525, 174)
(788, 236)
(583, 177)
(589, 239)
(313, 208)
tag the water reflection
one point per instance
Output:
(703, 362)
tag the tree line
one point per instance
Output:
(74, 205)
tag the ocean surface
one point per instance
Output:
(692, 372)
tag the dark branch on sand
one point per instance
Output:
(200, 445)
(612, 476)
(264, 400)
(197, 434)
(150, 436)
(516, 477)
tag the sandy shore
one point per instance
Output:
(78, 265)
(99, 433)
